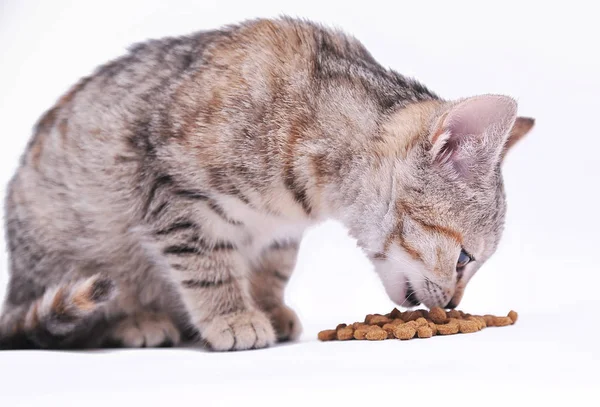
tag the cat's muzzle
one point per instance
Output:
(411, 295)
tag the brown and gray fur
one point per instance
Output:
(165, 196)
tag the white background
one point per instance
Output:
(544, 54)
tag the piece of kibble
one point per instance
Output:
(376, 334)
(479, 321)
(467, 326)
(405, 332)
(357, 325)
(412, 324)
(424, 332)
(379, 320)
(421, 321)
(395, 314)
(438, 315)
(327, 335)
(450, 328)
(433, 328)
(340, 326)
(360, 333)
(389, 328)
(397, 321)
(502, 321)
(489, 320)
(513, 316)
(344, 334)
(411, 315)
(369, 318)
(453, 314)
(463, 315)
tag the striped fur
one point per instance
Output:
(185, 172)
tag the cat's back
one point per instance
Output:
(79, 173)
(112, 102)
(203, 91)
(104, 104)
(88, 151)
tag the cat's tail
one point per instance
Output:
(51, 320)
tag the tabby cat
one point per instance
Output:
(163, 198)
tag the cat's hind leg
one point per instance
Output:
(144, 329)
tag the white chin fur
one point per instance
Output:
(396, 270)
(394, 283)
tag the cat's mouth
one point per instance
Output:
(411, 296)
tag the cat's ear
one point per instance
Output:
(470, 136)
(522, 126)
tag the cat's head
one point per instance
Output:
(449, 201)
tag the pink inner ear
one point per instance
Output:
(474, 131)
(475, 115)
(449, 152)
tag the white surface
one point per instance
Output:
(533, 361)
(545, 55)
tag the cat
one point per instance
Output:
(164, 197)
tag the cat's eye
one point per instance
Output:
(463, 259)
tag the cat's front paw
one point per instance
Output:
(286, 323)
(239, 331)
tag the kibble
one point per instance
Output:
(415, 324)
(468, 326)
(344, 334)
(360, 333)
(450, 328)
(405, 332)
(327, 335)
(390, 328)
(411, 315)
(438, 315)
(502, 321)
(424, 332)
(479, 321)
(421, 321)
(376, 333)
(395, 314)
(380, 320)
(453, 314)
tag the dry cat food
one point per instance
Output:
(415, 324)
